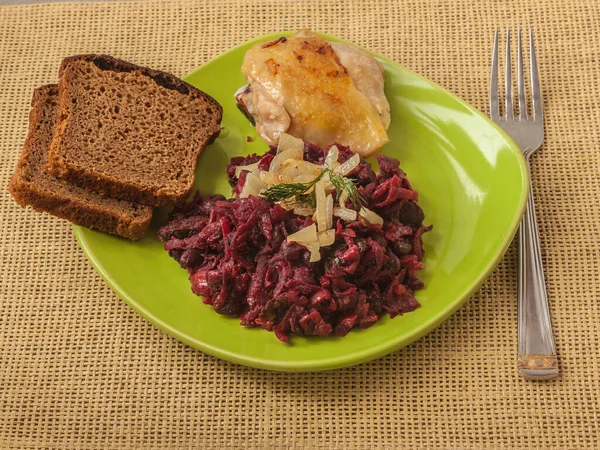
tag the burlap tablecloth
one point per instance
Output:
(80, 370)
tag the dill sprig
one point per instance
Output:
(348, 185)
(303, 193)
(297, 191)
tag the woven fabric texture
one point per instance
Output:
(80, 370)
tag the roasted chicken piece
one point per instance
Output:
(318, 91)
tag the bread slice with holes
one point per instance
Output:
(130, 132)
(31, 184)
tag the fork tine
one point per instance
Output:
(508, 79)
(494, 106)
(521, 81)
(536, 91)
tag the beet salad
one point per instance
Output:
(312, 243)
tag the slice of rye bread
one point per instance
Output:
(33, 185)
(130, 132)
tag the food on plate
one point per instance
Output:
(32, 185)
(130, 132)
(315, 90)
(280, 257)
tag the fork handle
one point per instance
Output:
(537, 354)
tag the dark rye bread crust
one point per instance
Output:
(32, 185)
(134, 164)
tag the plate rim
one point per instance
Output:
(349, 359)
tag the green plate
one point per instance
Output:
(472, 182)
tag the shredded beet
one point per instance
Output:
(240, 262)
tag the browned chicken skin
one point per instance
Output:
(318, 91)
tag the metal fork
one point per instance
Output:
(536, 353)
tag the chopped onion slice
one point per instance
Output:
(315, 250)
(268, 177)
(308, 238)
(344, 213)
(252, 186)
(305, 235)
(331, 160)
(329, 211)
(370, 216)
(321, 207)
(249, 168)
(348, 165)
(298, 171)
(304, 211)
(277, 162)
(327, 184)
(342, 199)
(288, 142)
(288, 205)
(327, 238)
